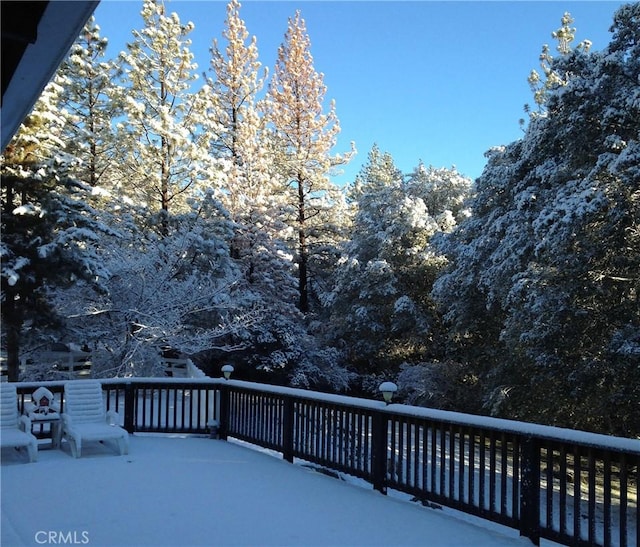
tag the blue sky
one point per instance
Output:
(440, 82)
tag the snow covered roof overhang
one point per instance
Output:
(36, 37)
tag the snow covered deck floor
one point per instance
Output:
(196, 491)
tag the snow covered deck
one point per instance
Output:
(176, 490)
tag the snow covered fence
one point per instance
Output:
(181, 368)
(572, 487)
(74, 361)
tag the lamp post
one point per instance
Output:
(388, 389)
(226, 371)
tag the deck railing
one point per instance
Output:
(571, 487)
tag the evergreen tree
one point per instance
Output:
(552, 78)
(237, 135)
(164, 157)
(544, 281)
(48, 231)
(380, 303)
(304, 137)
(93, 102)
(233, 118)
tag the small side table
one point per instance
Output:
(38, 422)
(42, 410)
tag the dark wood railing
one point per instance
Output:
(571, 487)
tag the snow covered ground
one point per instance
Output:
(197, 491)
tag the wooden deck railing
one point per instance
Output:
(571, 487)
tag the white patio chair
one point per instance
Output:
(15, 430)
(84, 418)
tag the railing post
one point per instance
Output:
(530, 490)
(129, 407)
(287, 429)
(223, 430)
(379, 451)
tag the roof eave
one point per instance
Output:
(60, 25)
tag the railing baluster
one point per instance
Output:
(623, 501)
(342, 447)
(399, 466)
(563, 490)
(550, 485)
(360, 446)
(504, 472)
(419, 451)
(577, 491)
(492, 472)
(175, 408)
(443, 461)
(154, 416)
(353, 439)
(637, 477)
(390, 450)
(143, 402)
(482, 468)
(452, 461)
(335, 437)
(368, 452)
(248, 415)
(319, 433)
(471, 496)
(461, 464)
(607, 498)
(434, 456)
(322, 409)
(591, 465)
(515, 473)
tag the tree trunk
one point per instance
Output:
(12, 319)
(93, 149)
(164, 187)
(303, 303)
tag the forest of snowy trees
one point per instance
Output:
(145, 207)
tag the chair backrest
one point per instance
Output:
(8, 406)
(84, 401)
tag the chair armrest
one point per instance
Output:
(25, 423)
(66, 419)
(113, 418)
